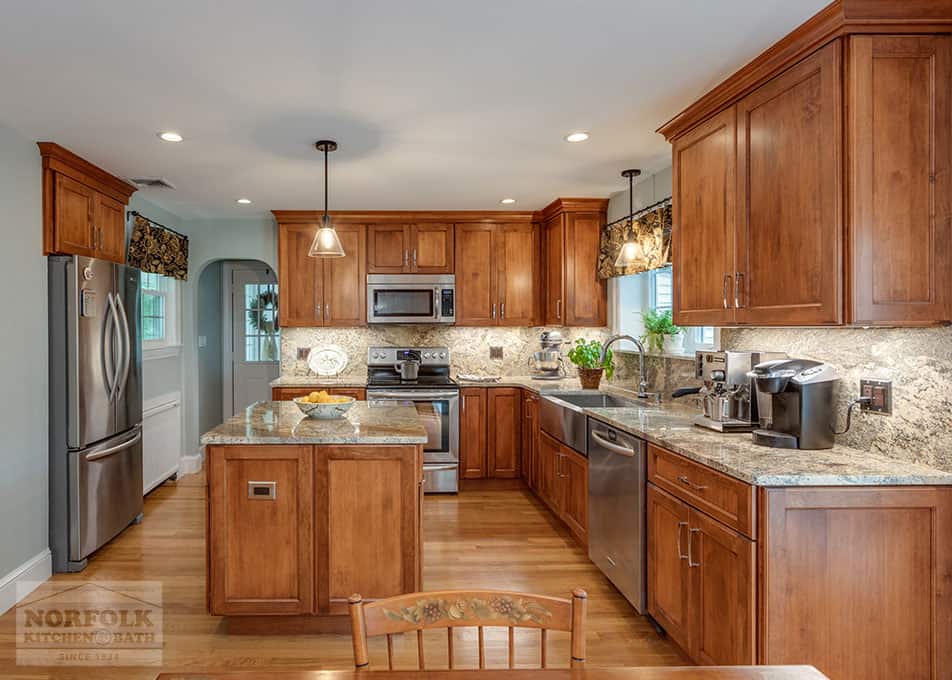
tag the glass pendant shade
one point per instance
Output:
(326, 243)
(629, 254)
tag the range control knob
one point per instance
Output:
(442, 355)
(426, 355)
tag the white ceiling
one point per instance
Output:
(436, 104)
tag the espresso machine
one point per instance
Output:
(728, 394)
(546, 363)
(795, 404)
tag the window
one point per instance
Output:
(262, 336)
(159, 311)
(638, 293)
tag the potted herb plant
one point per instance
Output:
(586, 355)
(661, 335)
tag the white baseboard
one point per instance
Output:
(189, 465)
(29, 575)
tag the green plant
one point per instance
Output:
(586, 354)
(657, 326)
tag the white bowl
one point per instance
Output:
(324, 411)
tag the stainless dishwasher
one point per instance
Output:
(617, 525)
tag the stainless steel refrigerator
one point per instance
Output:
(95, 406)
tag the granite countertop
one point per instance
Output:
(346, 380)
(281, 422)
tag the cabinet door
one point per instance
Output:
(300, 277)
(517, 269)
(75, 207)
(345, 280)
(901, 189)
(530, 440)
(260, 545)
(788, 267)
(432, 249)
(575, 493)
(110, 221)
(668, 571)
(585, 293)
(505, 431)
(388, 248)
(476, 298)
(723, 593)
(472, 432)
(553, 246)
(549, 466)
(704, 171)
(366, 542)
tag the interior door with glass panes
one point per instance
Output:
(256, 342)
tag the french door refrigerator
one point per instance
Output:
(95, 406)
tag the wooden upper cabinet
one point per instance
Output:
(472, 432)
(788, 243)
(517, 274)
(431, 248)
(505, 431)
(83, 207)
(476, 298)
(300, 277)
(388, 248)
(703, 196)
(901, 190)
(553, 246)
(345, 279)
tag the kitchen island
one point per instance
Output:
(302, 513)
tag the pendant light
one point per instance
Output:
(631, 250)
(326, 243)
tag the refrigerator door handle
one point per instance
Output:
(115, 449)
(111, 326)
(126, 348)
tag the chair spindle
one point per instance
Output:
(449, 646)
(542, 648)
(390, 651)
(421, 663)
(512, 648)
(482, 650)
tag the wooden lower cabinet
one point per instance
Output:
(472, 432)
(668, 577)
(297, 529)
(530, 440)
(504, 438)
(563, 484)
(289, 393)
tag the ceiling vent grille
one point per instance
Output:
(152, 183)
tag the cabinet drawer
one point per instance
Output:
(724, 498)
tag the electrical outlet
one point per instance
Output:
(302, 353)
(880, 394)
(495, 352)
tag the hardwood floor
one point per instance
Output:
(492, 538)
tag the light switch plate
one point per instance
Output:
(880, 393)
(202, 340)
(495, 352)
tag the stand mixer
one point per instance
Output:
(546, 364)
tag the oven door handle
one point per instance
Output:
(439, 467)
(411, 395)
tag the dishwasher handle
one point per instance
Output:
(628, 451)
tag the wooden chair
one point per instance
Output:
(459, 608)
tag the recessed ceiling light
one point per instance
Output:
(244, 201)
(576, 136)
(170, 136)
(508, 201)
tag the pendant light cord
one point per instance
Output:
(325, 186)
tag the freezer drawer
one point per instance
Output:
(105, 491)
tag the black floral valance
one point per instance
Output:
(651, 231)
(157, 249)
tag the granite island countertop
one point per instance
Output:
(281, 422)
(345, 380)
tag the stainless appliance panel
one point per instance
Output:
(617, 509)
(411, 298)
(105, 483)
(94, 341)
(564, 422)
(439, 411)
(128, 397)
(440, 478)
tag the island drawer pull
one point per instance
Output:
(688, 482)
(262, 491)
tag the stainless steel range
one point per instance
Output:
(420, 376)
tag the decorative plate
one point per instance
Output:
(327, 360)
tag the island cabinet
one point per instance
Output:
(814, 187)
(296, 529)
(563, 485)
(425, 248)
(490, 432)
(289, 393)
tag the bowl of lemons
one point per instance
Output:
(324, 406)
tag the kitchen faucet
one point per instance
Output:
(642, 379)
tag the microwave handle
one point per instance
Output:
(437, 310)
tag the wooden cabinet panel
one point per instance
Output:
(300, 277)
(472, 432)
(901, 190)
(704, 172)
(574, 495)
(723, 593)
(110, 221)
(530, 440)
(505, 431)
(260, 549)
(553, 240)
(788, 263)
(366, 542)
(345, 280)
(585, 293)
(432, 248)
(476, 296)
(549, 457)
(517, 270)
(668, 571)
(75, 209)
(289, 393)
(856, 580)
(388, 248)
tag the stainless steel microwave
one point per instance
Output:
(411, 298)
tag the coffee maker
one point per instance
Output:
(547, 364)
(728, 394)
(795, 400)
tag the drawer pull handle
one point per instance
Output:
(262, 491)
(681, 555)
(691, 562)
(687, 482)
